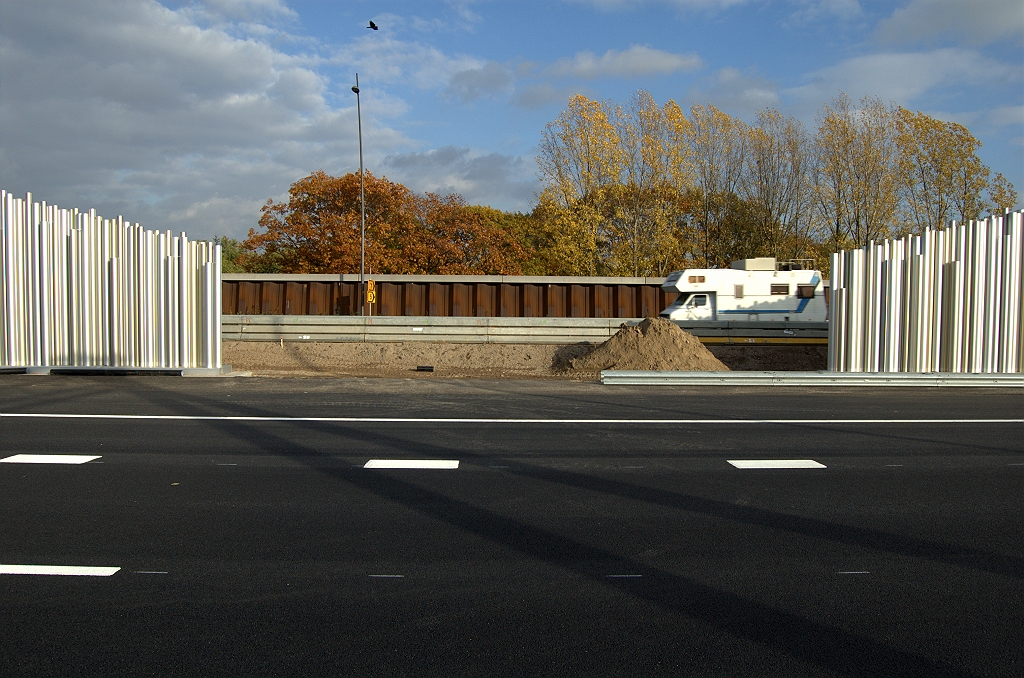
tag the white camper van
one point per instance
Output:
(759, 290)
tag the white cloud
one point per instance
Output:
(390, 61)
(1006, 116)
(972, 21)
(902, 77)
(246, 10)
(393, 24)
(478, 177)
(814, 10)
(491, 78)
(544, 94)
(682, 4)
(638, 60)
(462, 8)
(731, 89)
(135, 109)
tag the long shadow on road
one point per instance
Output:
(805, 640)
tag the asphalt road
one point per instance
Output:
(251, 540)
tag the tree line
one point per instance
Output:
(641, 189)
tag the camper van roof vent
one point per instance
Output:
(758, 264)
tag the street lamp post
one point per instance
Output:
(362, 207)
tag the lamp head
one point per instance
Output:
(356, 90)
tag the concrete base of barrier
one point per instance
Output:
(224, 370)
(811, 379)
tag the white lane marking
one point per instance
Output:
(438, 420)
(149, 572)
(894, 464)
(388, 576)
(854, 572)
(63, 570)
(227, 464)
(412, 463)
(775, 463)
(623, 576)
(49, 459)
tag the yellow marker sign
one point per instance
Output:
(371, 292)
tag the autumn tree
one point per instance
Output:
(613, 176)
(580, 152)
(776, 184)
(318, 231)
(565, 239)
(718, 146)
(642, 225)
(856, 176)
(1001, 194)
(942, 177)
(641, 189)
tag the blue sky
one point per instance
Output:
(189, 115)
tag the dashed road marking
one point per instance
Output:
(49, 459)
(775, 463)
(623, 576)
(854, 572)
(412, 463)
(148, 572)
(388, 576)
(60, 570)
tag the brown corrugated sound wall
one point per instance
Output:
(480, 296)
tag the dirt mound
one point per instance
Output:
(654, 344)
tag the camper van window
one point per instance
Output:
(805, 291)
(696, 278)
(780, 289)
(738, 291)
(699, 300)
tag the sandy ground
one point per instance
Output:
(633, 349)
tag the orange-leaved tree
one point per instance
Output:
(318, 231)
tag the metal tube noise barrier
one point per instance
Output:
(78, 290)
(948, 300)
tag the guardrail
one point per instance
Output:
(875, 379)
(306, 328)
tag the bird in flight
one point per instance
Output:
(373, 26)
